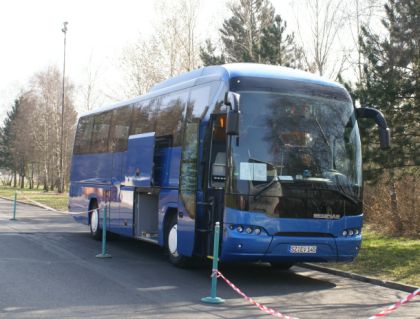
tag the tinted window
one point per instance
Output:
(143, 117)
(118, 137)
(200, 100)
(169, 117)
(83, 135)
(101, 125)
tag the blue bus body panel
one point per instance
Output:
(267, 246)
(139, 167)
(90, 176)
(168, 199)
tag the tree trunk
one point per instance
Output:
(394, 203)
(14, 179)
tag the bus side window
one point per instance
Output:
(101, 124)
(143, 118)
(169, 119)
(83, 135)
(121, 118)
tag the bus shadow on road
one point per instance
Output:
(259, 279)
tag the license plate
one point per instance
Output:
(302, 249)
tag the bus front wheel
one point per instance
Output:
(95, 230)
(172, 245)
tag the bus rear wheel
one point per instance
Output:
(172, 245)
(95, 230)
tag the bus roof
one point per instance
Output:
(246, 70)
(225, 72)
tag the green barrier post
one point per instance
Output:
(213, 291)
(14, 208)
(104, 254)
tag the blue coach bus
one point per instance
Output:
(271, 153)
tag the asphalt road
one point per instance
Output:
(48, 269)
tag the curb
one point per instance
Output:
(367, 279)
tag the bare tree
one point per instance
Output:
(141, 65)
(89, 90)
(46, 104)
(172, 49)
(361, 13)
(325, 19)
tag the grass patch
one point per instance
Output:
(387, 258)
(51, 199)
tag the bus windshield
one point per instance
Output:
(289, 138)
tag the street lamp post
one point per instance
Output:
(61, 186)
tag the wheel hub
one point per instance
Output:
(173, 241)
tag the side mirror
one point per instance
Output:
(232, 119)
(384, 133)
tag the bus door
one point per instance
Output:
(138, 179)
(187, 190)
(216, 178)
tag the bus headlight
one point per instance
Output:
(257, 231)
(248, 230)
(240, 229)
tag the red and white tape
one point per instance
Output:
(395, 306)
(277, 314)
(55, 210)
(260, 306)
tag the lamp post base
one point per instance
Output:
(212, 300)
(103, 256)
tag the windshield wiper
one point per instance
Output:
(322, 132)
(341, 192)
(265, 188)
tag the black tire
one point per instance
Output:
(281, 266)
(94, 225)
(175, 258)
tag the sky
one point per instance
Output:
(98, 30)
(31, 37)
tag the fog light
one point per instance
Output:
(248, 230)
(344, 233)
(257, 231)
(240, 229)
(351, 232)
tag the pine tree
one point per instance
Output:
(392, 85)
(6, 140)
(277, 47)
(254, 33)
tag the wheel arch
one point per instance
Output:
(93, 203)
(170, 213)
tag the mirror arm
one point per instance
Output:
(384, 132)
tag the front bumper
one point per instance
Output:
(240, 246)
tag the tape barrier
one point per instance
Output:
(55, 210)
(260, 306)
(277, 314)
(395, 306)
